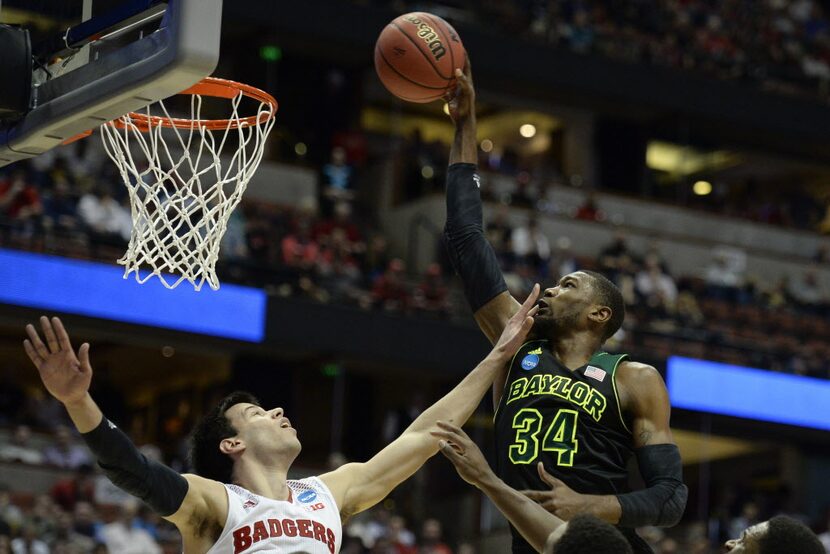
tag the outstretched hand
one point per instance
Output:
(462, 100)
(467, 458)
(518, 326)
(561, 500)
(66, 376)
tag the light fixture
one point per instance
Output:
(702, 188)
(528, 130)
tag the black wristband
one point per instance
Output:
(663, 500)
(471, 255)
(159, 486)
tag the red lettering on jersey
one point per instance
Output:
(331, 542)
(275, 527)
(241, 539)
(319, 531)
(259, 531)
(289, 527)
(304, 526)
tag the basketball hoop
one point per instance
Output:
(183, 193)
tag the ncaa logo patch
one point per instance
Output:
(530, 361)
(307, 496)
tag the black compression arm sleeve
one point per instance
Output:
(159, 486)
(471, 255)
(663, 500)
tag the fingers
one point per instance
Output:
(63, 336)
(33, 355)
(83, 355)
(530, 301)
(38, 345)
(49, 333)
(536, 496)
(547, 477)
(450, 427)
(448, 450)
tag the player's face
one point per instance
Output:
(747, 543)
(267, 431)
(562, 306)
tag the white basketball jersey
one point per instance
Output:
(308, 522)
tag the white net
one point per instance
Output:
(181, 189)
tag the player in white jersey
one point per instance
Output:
(239, 499)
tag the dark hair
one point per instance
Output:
(609, 295)
(786, 534)
(588, 534)
(205, 457)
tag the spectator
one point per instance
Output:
(80, 487)
(723, 276)
(28, 542)
(342, 220)
(123, 536)
(66, 535)
(19, 448)
(66, 453)
(9, 513)
(337, 179)
(86, 520)
(401, 538)
(432, 295)
(589, 211)
(299, 249)
(431, 539)
(748, 517)
(377, 257)
(531, 246)
(611, 256)
(564, 261)
(103, 215)
(807, 291)
(19, 200)
(389, 291)
(60, 210)
(499, 233)
(657, 288)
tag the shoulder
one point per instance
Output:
(640, 385)
(638, 373)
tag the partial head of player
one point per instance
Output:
(239, 430)
(582, 301)
(779, 534)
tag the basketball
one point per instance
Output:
(416, 56)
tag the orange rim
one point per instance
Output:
(209, 86)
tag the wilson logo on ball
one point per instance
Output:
(430, 37)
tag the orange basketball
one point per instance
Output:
(416, 57)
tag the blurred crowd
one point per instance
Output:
(326, 251)
(721, 314)
(780, 45)
(71, 203)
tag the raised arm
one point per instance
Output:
(187, 501)
(534, 523)
(471, 255)
(358, 486)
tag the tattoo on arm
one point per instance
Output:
(645, 437)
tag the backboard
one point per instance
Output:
(99, 59)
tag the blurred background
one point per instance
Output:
(680, 147)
